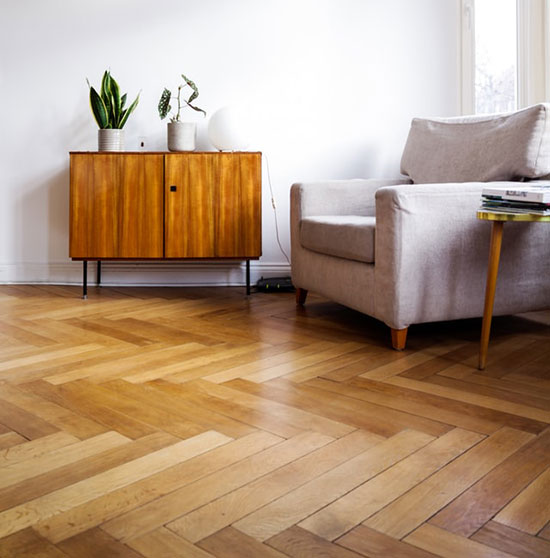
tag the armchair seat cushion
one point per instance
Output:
(345, 236)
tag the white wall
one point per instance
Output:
(333, 85)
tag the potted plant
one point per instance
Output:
(110, 112)
(181, 135)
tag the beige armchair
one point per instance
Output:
(411, 251)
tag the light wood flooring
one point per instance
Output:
(167, 423)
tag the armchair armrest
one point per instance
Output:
(337, 197)
(340, 197)
(431, 256)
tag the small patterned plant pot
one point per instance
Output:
(182, 136)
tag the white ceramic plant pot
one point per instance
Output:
(182, 136)
(110, 140)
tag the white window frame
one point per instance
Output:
(533, 53)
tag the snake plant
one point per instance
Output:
(164, 103)
(108, 107)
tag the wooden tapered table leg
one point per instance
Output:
(492, 272)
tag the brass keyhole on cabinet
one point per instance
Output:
(173, 188)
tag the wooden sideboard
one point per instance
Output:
(165, 206)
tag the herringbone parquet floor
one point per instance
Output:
(166, 423)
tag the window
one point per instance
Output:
(504, 52)
(495, 56)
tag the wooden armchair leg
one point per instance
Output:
(301, 295)
(399, 338)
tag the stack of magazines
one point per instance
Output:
(526, 197)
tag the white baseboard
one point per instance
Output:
(214, 274)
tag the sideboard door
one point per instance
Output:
(191, 205)
(141, 213)
(213, 205)
(116, 206)
(239, 231)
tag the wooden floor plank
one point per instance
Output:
(9, 368)
(124, 500)
(508, 385)
(228, 509)
(529, 511)
(545, 532)
(482, 418)
(235, 419)
(475, 507)
(188, 369)
(131, 410)
(406, 405)
(229, 543)
(517, 409)
(149, 394)
(27, 514)
(448, 545)
(10, 439)
(279, 424)
(83, 468)
(182, 501)
(373, 544)
(69, 396)
(298, 417)
(404, 364)
(41, 463)
(494, 391)
(298, 543)
(510, 540)
(35, 448)
(28, 544)
(26, 424)
(135, 364)
(344, 410)
(50, 413)
(238, 365)
(69, 358)
(368, 498)
(96, 544)
(316, 494)
(163, 543)
(416, 506)
(323, 351)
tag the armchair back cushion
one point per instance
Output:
(479, 148)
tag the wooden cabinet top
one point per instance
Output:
(158, 152)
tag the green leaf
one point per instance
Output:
(126, 113)
(114, 92)
(105, 84)
(164, 103)
(99, 110)
(106, 97)
(196, 108)
(192, 85)
(193, 95)
(108, 108)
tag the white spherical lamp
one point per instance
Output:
(228, 129)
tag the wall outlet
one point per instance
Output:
(142, 143)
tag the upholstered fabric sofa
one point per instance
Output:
(412, 250)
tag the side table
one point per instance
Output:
(498, 220)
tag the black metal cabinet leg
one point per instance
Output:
(247, 277)
(84, 279)
(98, 273)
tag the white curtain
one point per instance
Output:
(533, 52)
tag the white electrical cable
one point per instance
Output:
(274, 209)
